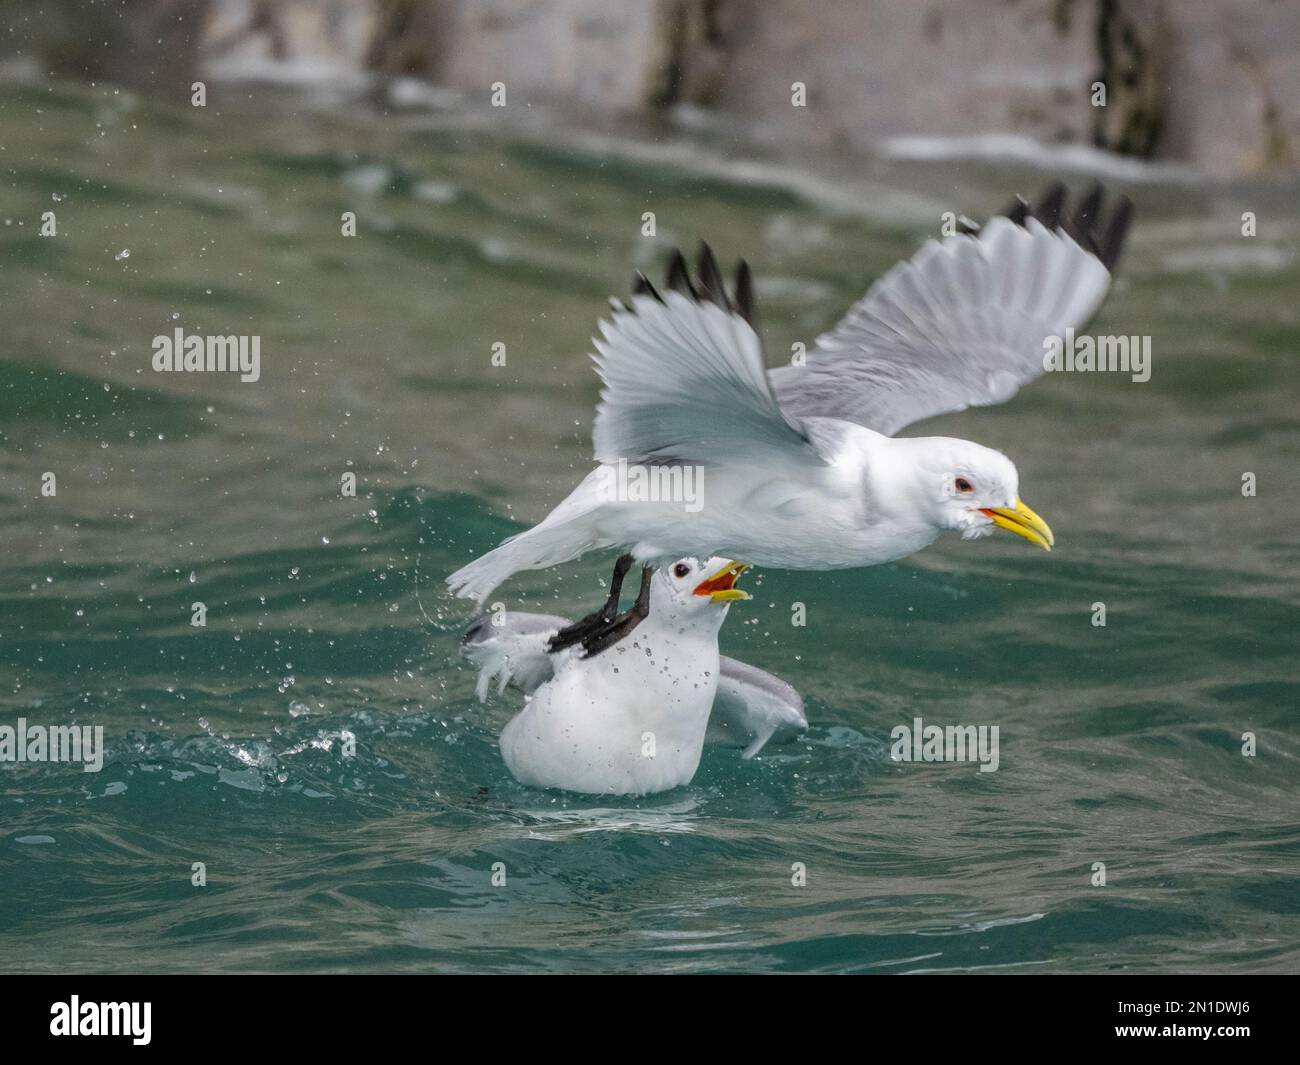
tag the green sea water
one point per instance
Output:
(327, 624)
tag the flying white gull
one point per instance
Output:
(750, 709)
(801, 468)
(633, 721)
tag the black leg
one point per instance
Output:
(617, 629)
(579, 630)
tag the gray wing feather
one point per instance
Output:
(962, 323)
(752, 707)
(684, 381)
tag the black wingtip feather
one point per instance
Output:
(1090, 210)
(708, 287)
(1017, 210)
(1048, 208)
(1113, 242)
(712, 287)
(745, 295)
(1086, 225)
(1079, 224)
(678, 278)
(642, 286)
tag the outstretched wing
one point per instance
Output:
(963, 322)
(684, 378)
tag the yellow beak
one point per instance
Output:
(721, 587)
(1022, 521)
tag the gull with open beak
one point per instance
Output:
(632, 721)
(800, 466)
(750, 709)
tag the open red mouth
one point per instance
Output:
(721, 586)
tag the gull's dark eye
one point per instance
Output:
(681, 569)
(963, 485)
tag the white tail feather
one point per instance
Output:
(511, 653)
(493, 664)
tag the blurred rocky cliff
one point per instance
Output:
(1213, 84)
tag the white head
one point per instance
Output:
(968, 488)
(691, 593)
